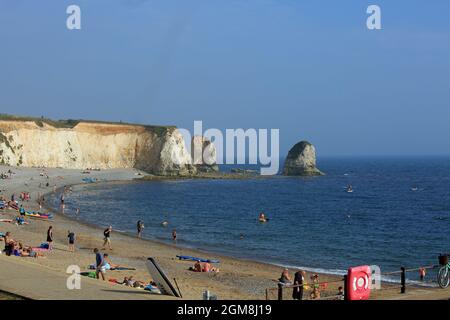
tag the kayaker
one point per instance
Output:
(262, 217)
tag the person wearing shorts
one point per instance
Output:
(71, 237)
(100, 267)
(107, 238)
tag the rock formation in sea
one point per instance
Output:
(301, 161)
(77, 144)
(204, 154)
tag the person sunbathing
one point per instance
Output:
(208, 268)
(29, 252)
(109, 263)
(197, 267)
(130, 282)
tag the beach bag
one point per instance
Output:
(44, 245)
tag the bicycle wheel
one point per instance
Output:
(443, 277)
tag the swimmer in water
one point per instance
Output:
(262, 217)
(174, 235)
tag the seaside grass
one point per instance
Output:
(159, 130)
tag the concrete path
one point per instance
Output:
(22, 277)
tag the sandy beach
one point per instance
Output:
(237, 279)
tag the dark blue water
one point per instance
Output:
(314, 222)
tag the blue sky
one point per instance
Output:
(310, 68)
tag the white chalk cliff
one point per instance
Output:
(33, 143)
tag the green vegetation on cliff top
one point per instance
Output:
(71, 123)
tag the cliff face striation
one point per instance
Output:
(81, 145)
(301, 161)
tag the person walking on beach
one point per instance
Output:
(50, 237)
(100, 268)
(71, 237)
(140, 227)
(107, 239)
(299, 278)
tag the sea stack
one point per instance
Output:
(204, 154)
(301, 161)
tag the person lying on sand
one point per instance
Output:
(197, 267)
(109, 264)
(208, 268)
(21, 221)
(29, 252)
(130, 282)
(205, 268)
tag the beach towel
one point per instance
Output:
(190, 258)
(108, 267)
(39, 249)
(152, 289)
(91, 274)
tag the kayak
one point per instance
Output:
(38, 215)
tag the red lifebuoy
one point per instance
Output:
(358, 283)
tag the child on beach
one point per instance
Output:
(315, 294)
(107, 238)
(71, 238)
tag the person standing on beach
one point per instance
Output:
(71, 237)
(99, 264)
(107, 239)
(50, 237)
(299, 278)
(140, 227)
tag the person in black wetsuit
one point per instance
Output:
(50, 237)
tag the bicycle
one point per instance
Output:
(443, 277)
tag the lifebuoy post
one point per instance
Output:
(358, 283)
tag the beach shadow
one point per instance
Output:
(86, 248)
(59, 249)
(130, 291)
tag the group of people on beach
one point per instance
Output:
(16, 248)
(7, 175)
(299, 285)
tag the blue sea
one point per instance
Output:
(398, 214)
